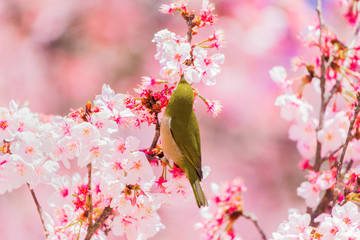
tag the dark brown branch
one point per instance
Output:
(327, 100)
(357, 185)
(99, 222)
(349, 165)
(323, 205)
(190, 24)
(256, 223)
(322, 87)
(157, 133)
(332, 154)
(39, 209)
(334, 89)
(348, 138)
(90, 213)
(335, 151)
(356, 34)
(356, 188)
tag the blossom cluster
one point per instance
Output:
(218, 224)
(298, 105)
(121, 176)
(177, 55)
(326, 132)
(322, 106)
(342, 223)
(351, 12)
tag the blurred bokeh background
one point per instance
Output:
(56, 55)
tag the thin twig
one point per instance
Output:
(323, 205)
(356, 189)
(347, 191)
(253, 218)
(90, 213)
(332, 154)
(335, 151)
(99, 222)
(325, 98)
(157, 133)
(190, 25)
(39, 209)
(340, 161)
(322, 87)
(334, 89)
(357, 186)
(356, 34)
(349, 165)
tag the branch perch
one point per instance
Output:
(90, 213)
(322, 87)
(99, 222)
(348, 138)
(39, 209)
(253, 219)
(157, 132)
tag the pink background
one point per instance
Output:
(57, 54)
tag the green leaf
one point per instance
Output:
(350, 94)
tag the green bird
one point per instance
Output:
(180, 137)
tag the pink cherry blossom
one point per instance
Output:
(296, 228)
(228, 204)
(102, 120)
(8, 125)
(310, 192)
(331, 136)
(85, 132)
(293, 108)
(208, 66)
(108, 99)
(279, 76)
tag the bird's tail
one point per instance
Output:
(199, 194)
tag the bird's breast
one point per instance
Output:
(171, 150)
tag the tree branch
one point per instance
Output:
(349, 165)
(157, 133)
(253, 218)
(356, 34)
(322, 87)
(39, 209)
(332, 154)
(190, 25)
(90, 213)
(321, 208)
(348, 138)
(334, 89)
(99, 222)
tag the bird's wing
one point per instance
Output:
(188, 140)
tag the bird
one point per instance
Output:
(180, 137)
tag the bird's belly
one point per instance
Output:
(171, 150)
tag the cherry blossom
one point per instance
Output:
(108, 99)
(208, 66)
(296, 228)
(279, 76)
(8, 125)
(310, 192)
(293, 108)
(352, 10)
(228, 207)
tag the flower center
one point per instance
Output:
(3, 124)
